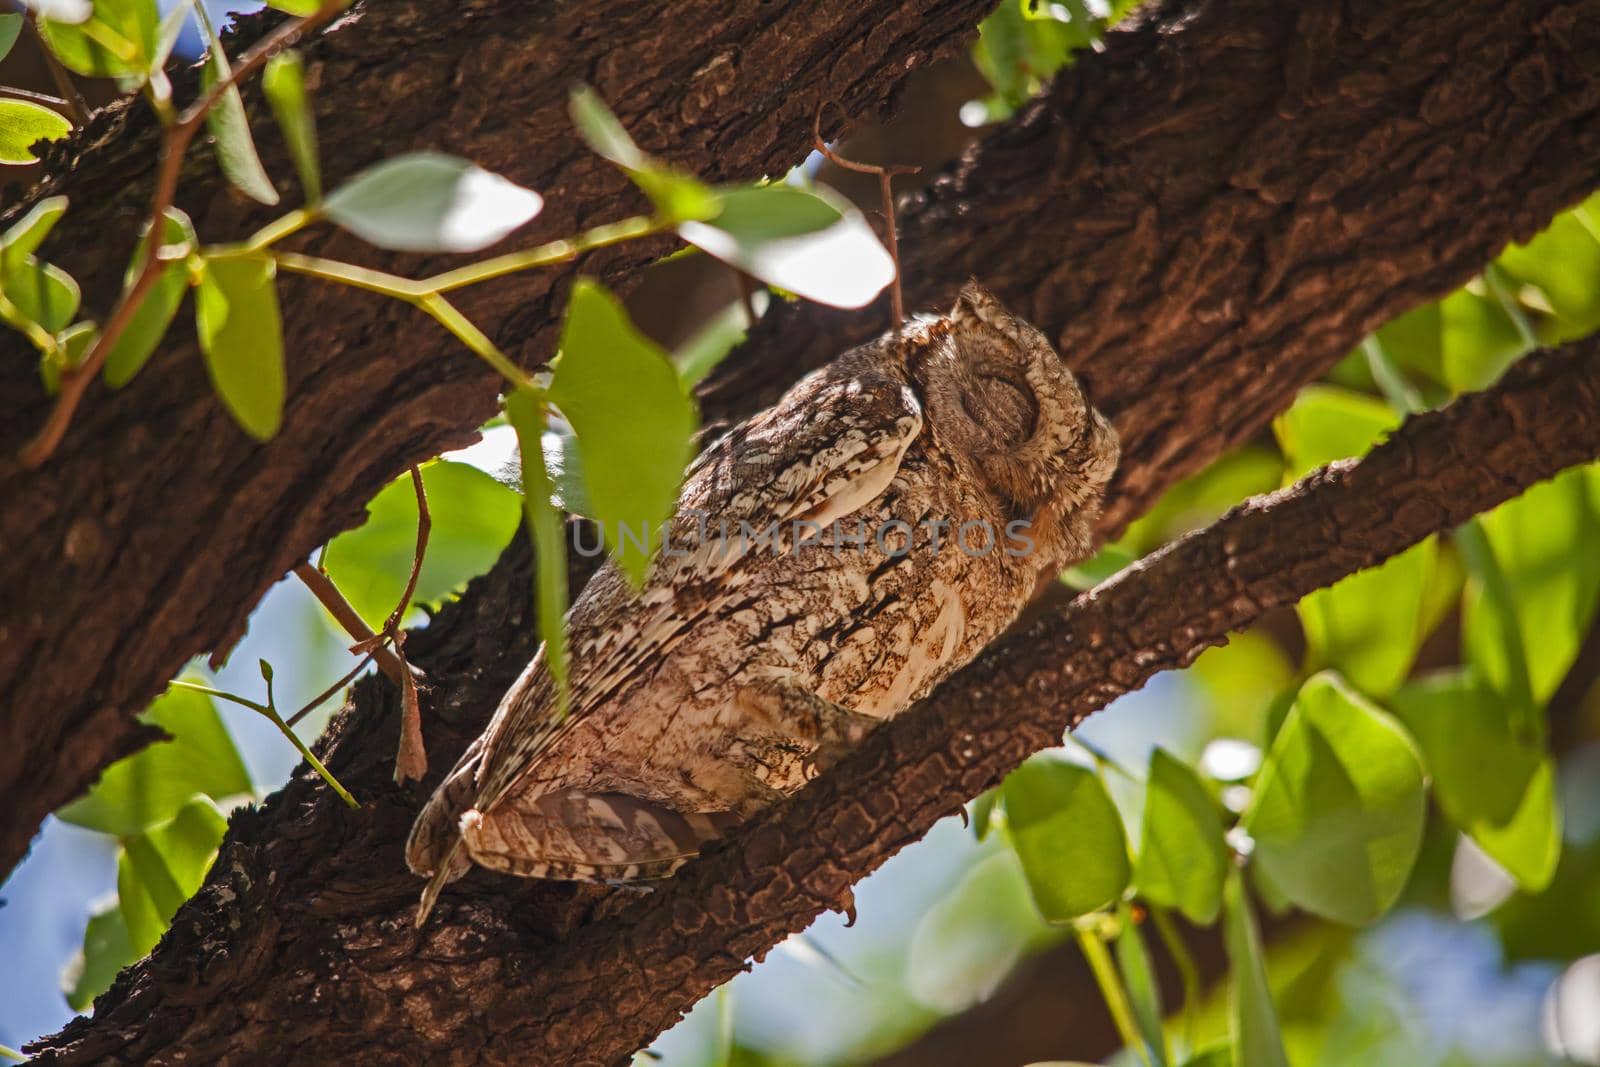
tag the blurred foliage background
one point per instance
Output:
(1366, 831)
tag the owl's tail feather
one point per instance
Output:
(453, 867)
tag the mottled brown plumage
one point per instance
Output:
(919, 485)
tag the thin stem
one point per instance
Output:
(1110, 983)
(1495, 278)
(75, 381)
(58, 74)
(310, 757)
(278, 229)
(424, 527)
(11, 1054)
(315, 702)
(1391, 382)
(1188, 973)
(328, 594)
(37, 98)
(885, 176)
(220, 694)
(467, 332)
(333, 270)
(547, 255)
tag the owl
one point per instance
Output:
(831, 561)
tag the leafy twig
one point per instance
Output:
(885, 175)
(75, 380)
(324, 590)
(316, 701)
(78, 107)
(271, 712)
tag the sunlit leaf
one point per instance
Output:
(676, 196)
(134, 26)
(526, 412)
(163, 866)
(1219, 1055)
(43, 292)
(25, 235)
(430, 202)
(106, 950)
(22, 122)
(71, 12)
(1477, 340)
(808, 242)
(149, 324)
(1528, 845)
(1339, 805)
(969, 940)
(283, 81)
(229, 125)
(150, 786)
(1182, 854)
(474, 518)
(634, 425)
(983, 812)
(1143, 994)
(241, 334)
(1201, 498)
(1065, 829)
(717, 336)
(1369, 625)
(1252, 1019)
(295, 7)
(1563, 261)
(10, 26)
(1543, 543)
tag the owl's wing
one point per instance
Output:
(829, 448)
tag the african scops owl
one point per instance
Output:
(832, 560)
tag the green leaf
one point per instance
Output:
(1065, 829)
(1370, 624)
(676, 196)
(1218, 1055)
(150, 786)
(1563, 262)
(1543, 544)
(1183, 856)
(430, 202)
(634, 425)
(1252, 1019)
(22, 122)
(971, 938)
(1493, 783)
(283, 81)
(1328, 423)
(106, 950)
(563, 460)
(301, 8)
(134, 26)
(526, 411)
(1110, 560)
(704, 349)
(236, 316)
(1143, 994)
(806, 241)
(43, 292)
(1477, 340)
(149, 323)
(28, 233)
(474, 518)
(1338, 809)
(983, 812)
(229, 125)
(10, 26)
(163, 866)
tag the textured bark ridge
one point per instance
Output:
(303, 920)
(1207, 215)
(158, 525)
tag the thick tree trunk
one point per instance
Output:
(153, 531)
(1208, 215)
(301, 945)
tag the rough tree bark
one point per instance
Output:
(1208, 214)
(301, 940)
(158, 525)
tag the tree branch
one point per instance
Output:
(304, 930)
(157, 525)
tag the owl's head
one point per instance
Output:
(1002, 403)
